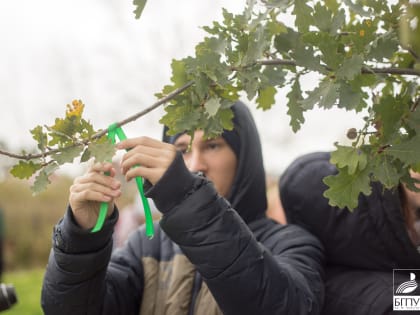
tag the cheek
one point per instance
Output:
(187, 161)
(225, 176)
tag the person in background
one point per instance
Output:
(214, 250)
(274, 208)
(129, 219)
(362, 246)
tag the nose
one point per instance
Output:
(197, 162)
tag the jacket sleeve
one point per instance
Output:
(244, 276)
(81, 279)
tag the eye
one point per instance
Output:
(213, 145)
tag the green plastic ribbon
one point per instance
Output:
(115, 131)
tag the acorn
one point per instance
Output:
(352, 133)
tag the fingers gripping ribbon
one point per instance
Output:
(115, 131)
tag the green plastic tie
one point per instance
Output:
(115, 131)
(104, 205)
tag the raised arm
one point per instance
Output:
(79, 278)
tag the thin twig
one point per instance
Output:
(391, 70)
(365, 70)
(101, 133)
(147, 110)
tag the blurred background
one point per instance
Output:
(55, 51)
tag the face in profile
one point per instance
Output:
(214, 157)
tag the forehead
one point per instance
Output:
(198, 138)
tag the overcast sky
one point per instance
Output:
(53, 51)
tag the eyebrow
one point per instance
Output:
(181, 144)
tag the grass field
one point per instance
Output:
(28, 289)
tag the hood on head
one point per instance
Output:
(248, 192)
(371, 236)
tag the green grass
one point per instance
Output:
(28, 290)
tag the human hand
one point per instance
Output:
(89, 190)
(147, 157)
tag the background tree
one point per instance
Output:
(361, 55)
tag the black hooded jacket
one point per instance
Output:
(245, 263)
(362, 247)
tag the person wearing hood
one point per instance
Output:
(369, 251)
(214, 251)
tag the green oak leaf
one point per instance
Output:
(333, 5)
(212, 106)
(86, 155)
(325, 95)
(384, 46)
(211, 44)
(39, 136)
(329, 47)
(266, 98)
(352, 158)
(303, 14)
(67, 155)
(338, 21)
(273, 75)
(413, 119)
(179, 76)
(305, 57)
(215, 125)
(344, 188)
(286, 42)
(40, 184)
(250, 82)
(86, 129)
(350, 67)
(257, 43)
(42, 179)
(276, 28)
(25, 169)
(404, 59)
(202, 85)
(63, 130)
(280, 4)
(249, 7)
(295, 110)
(408, 151)
(102, 151)
(226, 118)
(322, 17)
(140, 4)
(410, 28)
(349, 98)
(385, 171)
(389, 112)
(358, 8)
(182, 117)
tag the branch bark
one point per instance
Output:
(365, 70)
(267, 62)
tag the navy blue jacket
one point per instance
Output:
(362, 247)
(250, 264)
